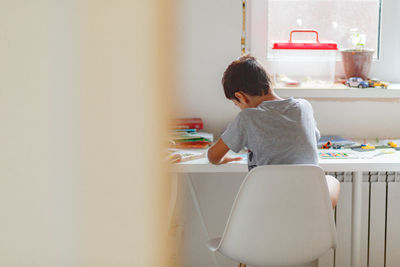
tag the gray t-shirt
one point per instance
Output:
(275, 132)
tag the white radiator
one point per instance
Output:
(380, 231)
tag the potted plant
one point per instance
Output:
(357, 60)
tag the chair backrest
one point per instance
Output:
(282, 216)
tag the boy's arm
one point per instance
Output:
(216, 153)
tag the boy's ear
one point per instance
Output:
(242, 97)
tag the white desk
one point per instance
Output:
(386, 162)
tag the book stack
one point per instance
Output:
(186, 134)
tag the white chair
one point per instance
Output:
(282, 216)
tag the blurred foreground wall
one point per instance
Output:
(84, 98)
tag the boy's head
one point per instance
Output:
(245, 76)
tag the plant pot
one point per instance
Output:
(357, 63)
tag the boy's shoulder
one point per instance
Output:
(295, 102)
(303, 101)
(276, 104)
(279, 106)
(305, 104)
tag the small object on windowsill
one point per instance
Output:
(292, 83)
(357, 59)
(282, 78)
(282, 82)
(377, 83)
(357, 82)
(340, 80)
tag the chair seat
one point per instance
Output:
(213, 244)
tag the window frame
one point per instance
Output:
(385, 67)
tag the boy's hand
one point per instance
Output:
(216, 153)
(229, 159)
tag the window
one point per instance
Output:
(334, 20)
(272, 20)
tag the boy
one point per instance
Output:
(274, 130)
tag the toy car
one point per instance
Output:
(356, 82)
(377, 83)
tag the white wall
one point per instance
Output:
(209, 37)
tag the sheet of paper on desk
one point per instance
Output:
(351, 154)
(244, 158)
(378, 153)
(192, 156)
(182, 155)
(337, 154)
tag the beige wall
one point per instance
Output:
(83, 107)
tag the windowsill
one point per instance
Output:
(340, 91)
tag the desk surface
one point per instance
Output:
(386, 162)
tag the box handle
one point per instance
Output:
(314, 31)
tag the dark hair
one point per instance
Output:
(245, 74)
